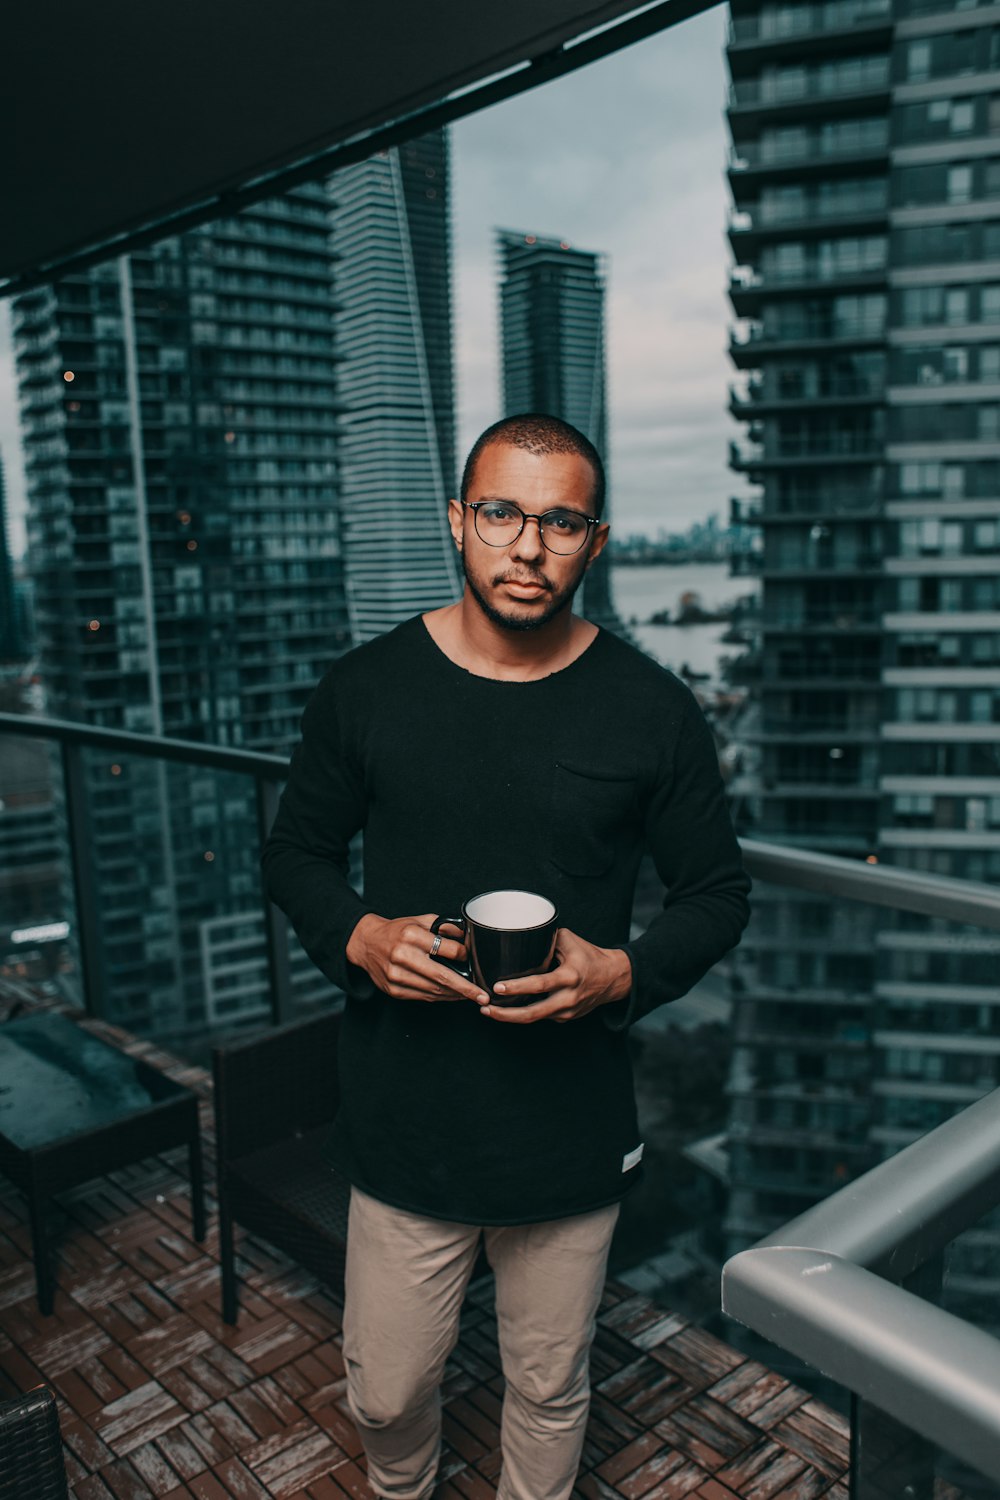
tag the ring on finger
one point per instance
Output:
(436, 944)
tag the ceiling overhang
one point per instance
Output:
(135, 121)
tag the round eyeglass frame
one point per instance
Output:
(474, 506)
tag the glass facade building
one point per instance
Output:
(865, 175)
(179, 411)
(397, 437)
(553, 356)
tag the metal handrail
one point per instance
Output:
(156, 747)
(881, 885)
(818, 1288)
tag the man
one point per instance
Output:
(499, 742)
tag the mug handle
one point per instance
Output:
(465, 970)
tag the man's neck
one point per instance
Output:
(468, 637)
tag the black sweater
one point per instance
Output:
(465, 784)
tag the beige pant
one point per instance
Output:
(405, 1281)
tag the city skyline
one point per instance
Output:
(614, 178)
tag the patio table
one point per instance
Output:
(72, 1107)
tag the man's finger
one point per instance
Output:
(542, 1010)
(440, 975)
(402, 992)
(538, 984)
(448, 948)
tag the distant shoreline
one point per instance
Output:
(675, 560)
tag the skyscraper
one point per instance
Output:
(179, 413)
(866, 183)
(397, 452)
(552, 337)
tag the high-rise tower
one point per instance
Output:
(552, 338)
(866, 184)
(393, 241)
(179, 412)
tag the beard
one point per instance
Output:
(556, 603)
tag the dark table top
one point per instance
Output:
(58, 1081)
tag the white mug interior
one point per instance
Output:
(510, 911)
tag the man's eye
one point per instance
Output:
(564, 522)
(500, 514)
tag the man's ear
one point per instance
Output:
(598, 544)
(456, 521)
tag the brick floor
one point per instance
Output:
(158, 1397)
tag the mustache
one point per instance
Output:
(536, 578)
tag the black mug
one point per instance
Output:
(507, 934)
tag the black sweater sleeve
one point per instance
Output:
(306, 857)
(705, 909)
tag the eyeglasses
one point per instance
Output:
(500, 522)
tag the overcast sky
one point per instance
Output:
(627, 157)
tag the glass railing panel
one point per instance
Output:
(172, 854)
(37, 904)
(893, 1459)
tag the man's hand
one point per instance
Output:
(587, 976)
(395, 954)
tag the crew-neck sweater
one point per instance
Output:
(464, 784)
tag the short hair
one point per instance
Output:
(538, 433)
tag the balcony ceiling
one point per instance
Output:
(134, 120)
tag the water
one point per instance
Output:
(639, 592)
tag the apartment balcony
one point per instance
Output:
(158, 1396)
(798, 449)
(749, 289)
(769, 34)
(755, 224)
(748, 346)
(754, 164)
(807, 729)
(808, 94)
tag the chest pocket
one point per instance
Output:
(592, 811)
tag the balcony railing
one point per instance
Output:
(751, 156)
(831, 1288)
(776, 213)
(904, 889)
(266, 773)
(862, 329)
(796, 21)
(799, 84)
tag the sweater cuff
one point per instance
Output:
(619, 1015)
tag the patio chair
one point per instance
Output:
(31, 1456)
(275, 1097)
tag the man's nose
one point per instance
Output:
(529, 544)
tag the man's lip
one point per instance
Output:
(526, 588)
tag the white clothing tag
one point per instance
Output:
(632, 1158)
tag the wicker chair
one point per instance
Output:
(275, 1096)
(31, 1456)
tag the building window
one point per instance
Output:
(918, 61)
(989, 306)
